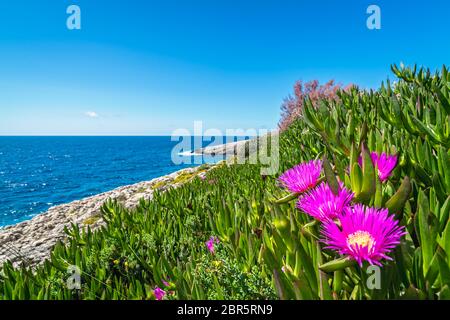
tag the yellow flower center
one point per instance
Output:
(360, 238)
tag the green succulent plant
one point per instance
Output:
(269, 248)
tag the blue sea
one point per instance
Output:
(39, 172)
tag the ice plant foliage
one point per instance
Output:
(365, 234)
(385, 164)
(270, 250)
(302, 177)
(322, 204)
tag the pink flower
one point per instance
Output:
(322, 204)
(210, 244)
(385, 164)
(365, 234)
(159, 293)
(302, 177)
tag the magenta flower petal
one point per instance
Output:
(302, 177)
(210, 244)
(159, 293)
(322, 204)
(385, 164)
(365, 234)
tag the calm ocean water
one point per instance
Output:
(39, 172)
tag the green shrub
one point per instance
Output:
(221, 278)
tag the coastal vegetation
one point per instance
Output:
(359, 210)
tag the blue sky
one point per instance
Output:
(148, 67)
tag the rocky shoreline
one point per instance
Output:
(31, 241)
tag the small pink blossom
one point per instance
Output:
(385, 164)
(302, 177)
(210, 244)
(322, 204)
(159, 293)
